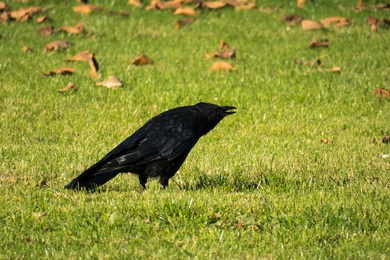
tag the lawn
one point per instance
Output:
(300, 171)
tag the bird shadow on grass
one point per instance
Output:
(236, 182)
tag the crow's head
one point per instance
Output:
(212, 114)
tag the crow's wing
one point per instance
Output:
(168, 137)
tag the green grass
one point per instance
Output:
(260, 185)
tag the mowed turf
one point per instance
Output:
(263, 184)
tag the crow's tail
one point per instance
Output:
(94, 177)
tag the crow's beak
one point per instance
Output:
(227, 108)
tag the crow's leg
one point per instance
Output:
(142, 180)
(164, 182)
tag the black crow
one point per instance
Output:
(157, 149)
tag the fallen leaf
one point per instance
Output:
(385, 7)
(39, 214)
(386, 139)
(24, 14)
(136, 3)
(213, 5)
(87, 56)
(67, 87)
(319, 43)
(46, 30)
(79, 28)
(338, 20)
(360, 6)
(5, 16)
(222, 54)
(41, 19)
(222, 66)
(301, 3)
(60, 71)
(84, 56)
(2, 6)
(93, 65)
(87, 8)
(111, 82)
(169, 5)
(326, 141)
(334, 69)
(54, 46)
(27, 49)
(310, 25)
(374, 23)
(382, 92)
(223, 45)
(292, 19)
(142, 60)
(245, 6)
(152, 5)
(183, 22)
(185, 11)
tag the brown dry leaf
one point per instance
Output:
(2, 6)
(87, 56)
(214, 5)
(185, 11)
(301, 3)
(386, 139)
(245, 6)
(84, 56)
(183, 22)
(25, 13)
(67, 88)
(385, 7)
(169, 5)
(374, 23)
(87, 8)
(93, 65)
(234, 3)
(39, 214)
(54, 46)
(360, 6)
(46, 30)
(222, 66)
(338, 20)
(79, 28)
(5, 17)
(334, 69)
(111, 82)
(292, 19)
(136, 3)
(223, 45)
(382, 92)
(310, 25)
(152, 5)
(326, 141)
(222, 54)
(142, 60)
(41, 19)
(319, 43)
(60, 71)
(27, 49)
